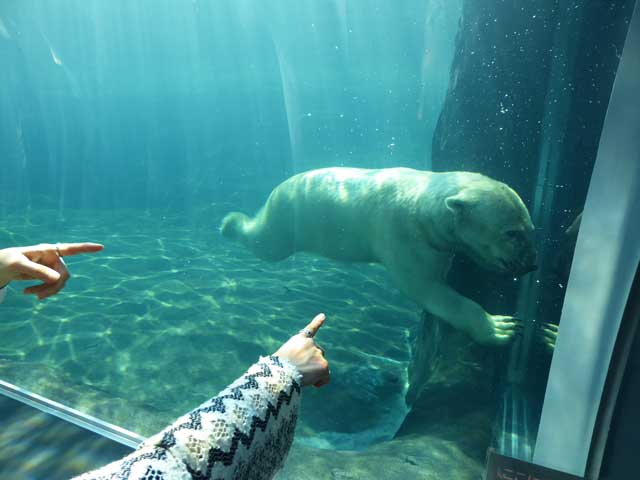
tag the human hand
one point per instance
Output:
(41, 262)
(303, 352)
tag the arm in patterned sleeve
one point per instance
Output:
(243, 433)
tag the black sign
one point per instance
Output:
(500, 467)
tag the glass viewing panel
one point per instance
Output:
(141, 125)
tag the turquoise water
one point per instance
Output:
(169, 313)
(142, 104)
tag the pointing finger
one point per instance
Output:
(315, 324)
(67, 249)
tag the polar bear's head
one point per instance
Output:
(492, 226)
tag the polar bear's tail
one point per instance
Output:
(234, 225)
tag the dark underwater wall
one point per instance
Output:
(528, 92)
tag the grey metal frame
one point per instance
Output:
(68, 414)
(605, 261)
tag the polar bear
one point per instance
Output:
(410, 221)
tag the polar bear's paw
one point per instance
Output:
(546, 334)
(497, 330)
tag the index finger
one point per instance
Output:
(315, 324)
(67, 249)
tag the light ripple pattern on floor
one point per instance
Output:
(170, 313)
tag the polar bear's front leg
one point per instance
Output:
(460, 312)
(466, 315)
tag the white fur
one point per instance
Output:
(410, 221)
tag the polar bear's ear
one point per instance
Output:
(457, 203)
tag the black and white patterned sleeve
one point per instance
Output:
(243, 433)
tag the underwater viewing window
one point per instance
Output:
(37, 444)
(448, 181)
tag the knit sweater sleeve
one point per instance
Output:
(243, 433)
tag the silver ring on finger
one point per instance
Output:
(306, 332)
(57, 245)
